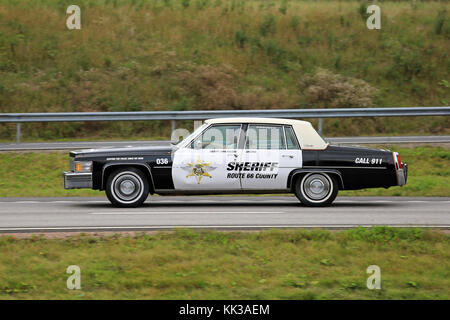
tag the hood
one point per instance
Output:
(124, 151)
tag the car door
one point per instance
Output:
(266, 159)
(202, 164)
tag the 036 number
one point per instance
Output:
(162, 161)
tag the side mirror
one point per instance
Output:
(174, 142)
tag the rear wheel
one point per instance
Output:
(127, 187)
(316, 189)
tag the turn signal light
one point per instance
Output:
(78, 167)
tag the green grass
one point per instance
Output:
(36, 175)
(133, 55)
(40, 175)
(187, 264)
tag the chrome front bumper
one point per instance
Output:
(402, 174)
(74, 180)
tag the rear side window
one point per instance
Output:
(267, 137)
(291, 140)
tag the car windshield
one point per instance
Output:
(192, 135)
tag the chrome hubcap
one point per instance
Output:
(317, 186)
(127, 187)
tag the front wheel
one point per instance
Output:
(127, 187)
(316, 189)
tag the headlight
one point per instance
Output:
(82, 166)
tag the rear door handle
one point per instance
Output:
(287, 156)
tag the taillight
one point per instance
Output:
(399, 163)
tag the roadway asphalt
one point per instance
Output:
(218, 212)
(104, 144)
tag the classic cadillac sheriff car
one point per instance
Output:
(236, 155)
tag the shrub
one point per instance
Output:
(283, 7)
(294, 22)
(185, 3)
(407, 63)
(274, 50)
(213, 87)
(267, 26)
(202, 4)
(240, 38)
(439, 23)
(362, 10)
(326, 89)
(107, 61)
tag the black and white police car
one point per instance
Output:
(236, 155)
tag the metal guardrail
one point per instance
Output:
(73, 145)
(202, 115)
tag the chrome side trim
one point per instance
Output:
(219, 192)
(342, 167)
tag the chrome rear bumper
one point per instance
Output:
(74, 180)
(402, 174)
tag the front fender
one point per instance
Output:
(147, 170)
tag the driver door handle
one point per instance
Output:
(234, 154)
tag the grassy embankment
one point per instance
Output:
(276, 264)
(39, 174)
(135, 55)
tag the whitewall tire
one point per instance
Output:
(316, 189)
(127, 187)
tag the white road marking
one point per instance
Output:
(56, 201)
(22, 201)
(372, 201)
(179, 212)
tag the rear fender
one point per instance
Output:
(295, 173)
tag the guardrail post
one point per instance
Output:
(319, 129)
(18, 133)
(197, 124)
(173, 125)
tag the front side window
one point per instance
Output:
(267, 137)
(191, 136)
(218, 137)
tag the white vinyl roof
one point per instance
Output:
(306, 134)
